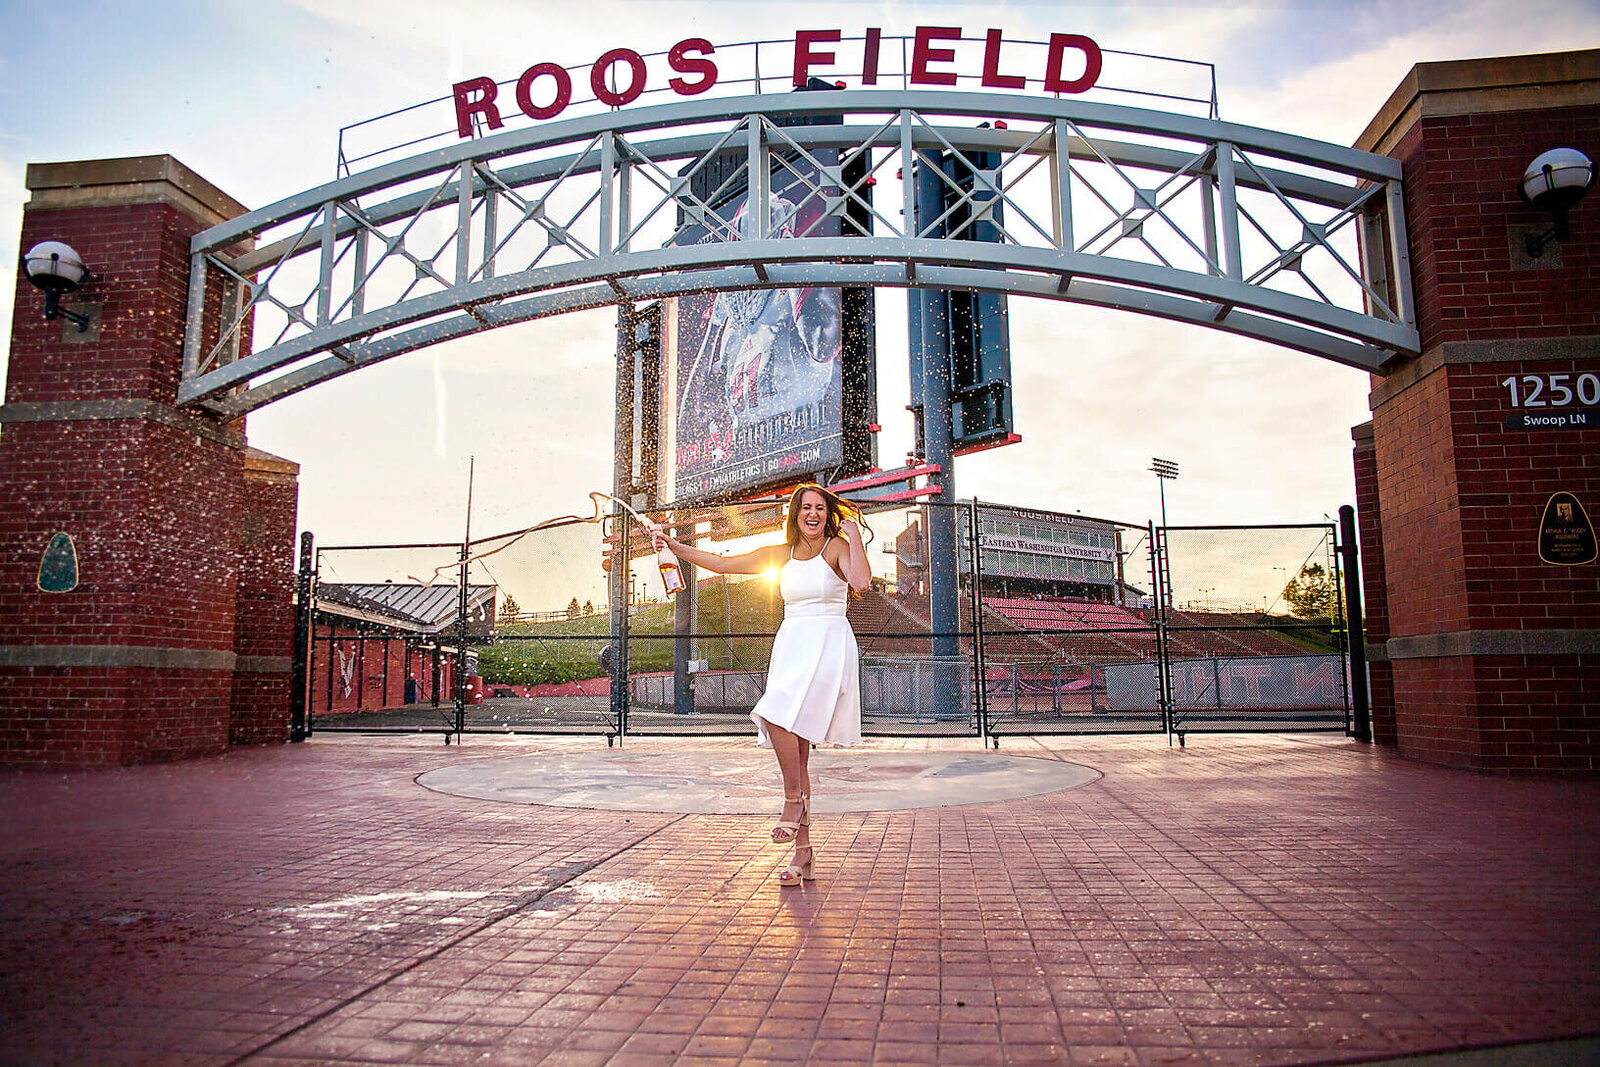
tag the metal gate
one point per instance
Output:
(1252, 628)
(456, 638)
(1060, 624)
(1067, 618)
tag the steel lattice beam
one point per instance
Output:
(1233, 228)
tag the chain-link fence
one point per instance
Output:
(696, 661)
(1254, 628)
(411, 638)
(544, 667)
(1067, 611)
(980, 620)
(379, 656)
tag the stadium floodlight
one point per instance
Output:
(1164, 470)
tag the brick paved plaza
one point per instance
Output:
(1244, 900)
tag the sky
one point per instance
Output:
(252, 96)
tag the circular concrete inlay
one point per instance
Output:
(723, 782)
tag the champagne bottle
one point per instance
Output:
(671, 573)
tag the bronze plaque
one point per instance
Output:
(1566, 536)
(58, 567)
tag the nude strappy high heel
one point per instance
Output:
(798, 872)
(787, 829)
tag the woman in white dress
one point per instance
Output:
(813, 693)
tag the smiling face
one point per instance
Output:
(809, 517)
(813, 515)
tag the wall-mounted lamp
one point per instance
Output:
(54, 267)
(1555, 182)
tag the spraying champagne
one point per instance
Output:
(666, 560)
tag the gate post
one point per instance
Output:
(980, 655)
(621, 486)
(1494, 650)
(1158, 594)
(1354, 624)
(142, 656)
(299, 682)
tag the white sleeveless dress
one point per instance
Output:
(814, 677)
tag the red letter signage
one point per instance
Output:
(602, 67)
(680, 61)
(991, 66)
(484, 104)
(563, 91)
(923, 53)
(1059, 43)
(930, 62)
(869, 57)
(804, 56)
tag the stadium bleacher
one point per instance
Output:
(1066, 632)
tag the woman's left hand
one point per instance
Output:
(849, 528)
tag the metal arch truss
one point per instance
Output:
(1263, 234)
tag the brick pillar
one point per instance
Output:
(137, 662)
(1374, 591)
(264, 607)
(1495, 654)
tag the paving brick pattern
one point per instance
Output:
(1244, 900)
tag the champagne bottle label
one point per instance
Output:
(671, 573)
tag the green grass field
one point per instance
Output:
(568, 650)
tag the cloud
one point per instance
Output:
(1334, 99)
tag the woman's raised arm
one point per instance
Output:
(852, 560)
(755, 562)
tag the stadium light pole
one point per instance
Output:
(1164, 470)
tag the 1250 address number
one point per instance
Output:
(1529, 390)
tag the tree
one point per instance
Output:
(1310, 593)
(588, 607)
(572, 609)
(509, 609)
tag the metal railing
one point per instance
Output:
(765, 67)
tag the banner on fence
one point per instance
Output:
(1253, 682)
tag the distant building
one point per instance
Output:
(1027, 553)
(387, 644)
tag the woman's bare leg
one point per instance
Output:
(803, 751)
(793, 753)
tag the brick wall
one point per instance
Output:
(1415, 453)
(1538, 712)
(137, 662)
(82, 716)
(1492, 650)
(1464, 218)
(138, 260)
(151, 514)
(264, 605)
